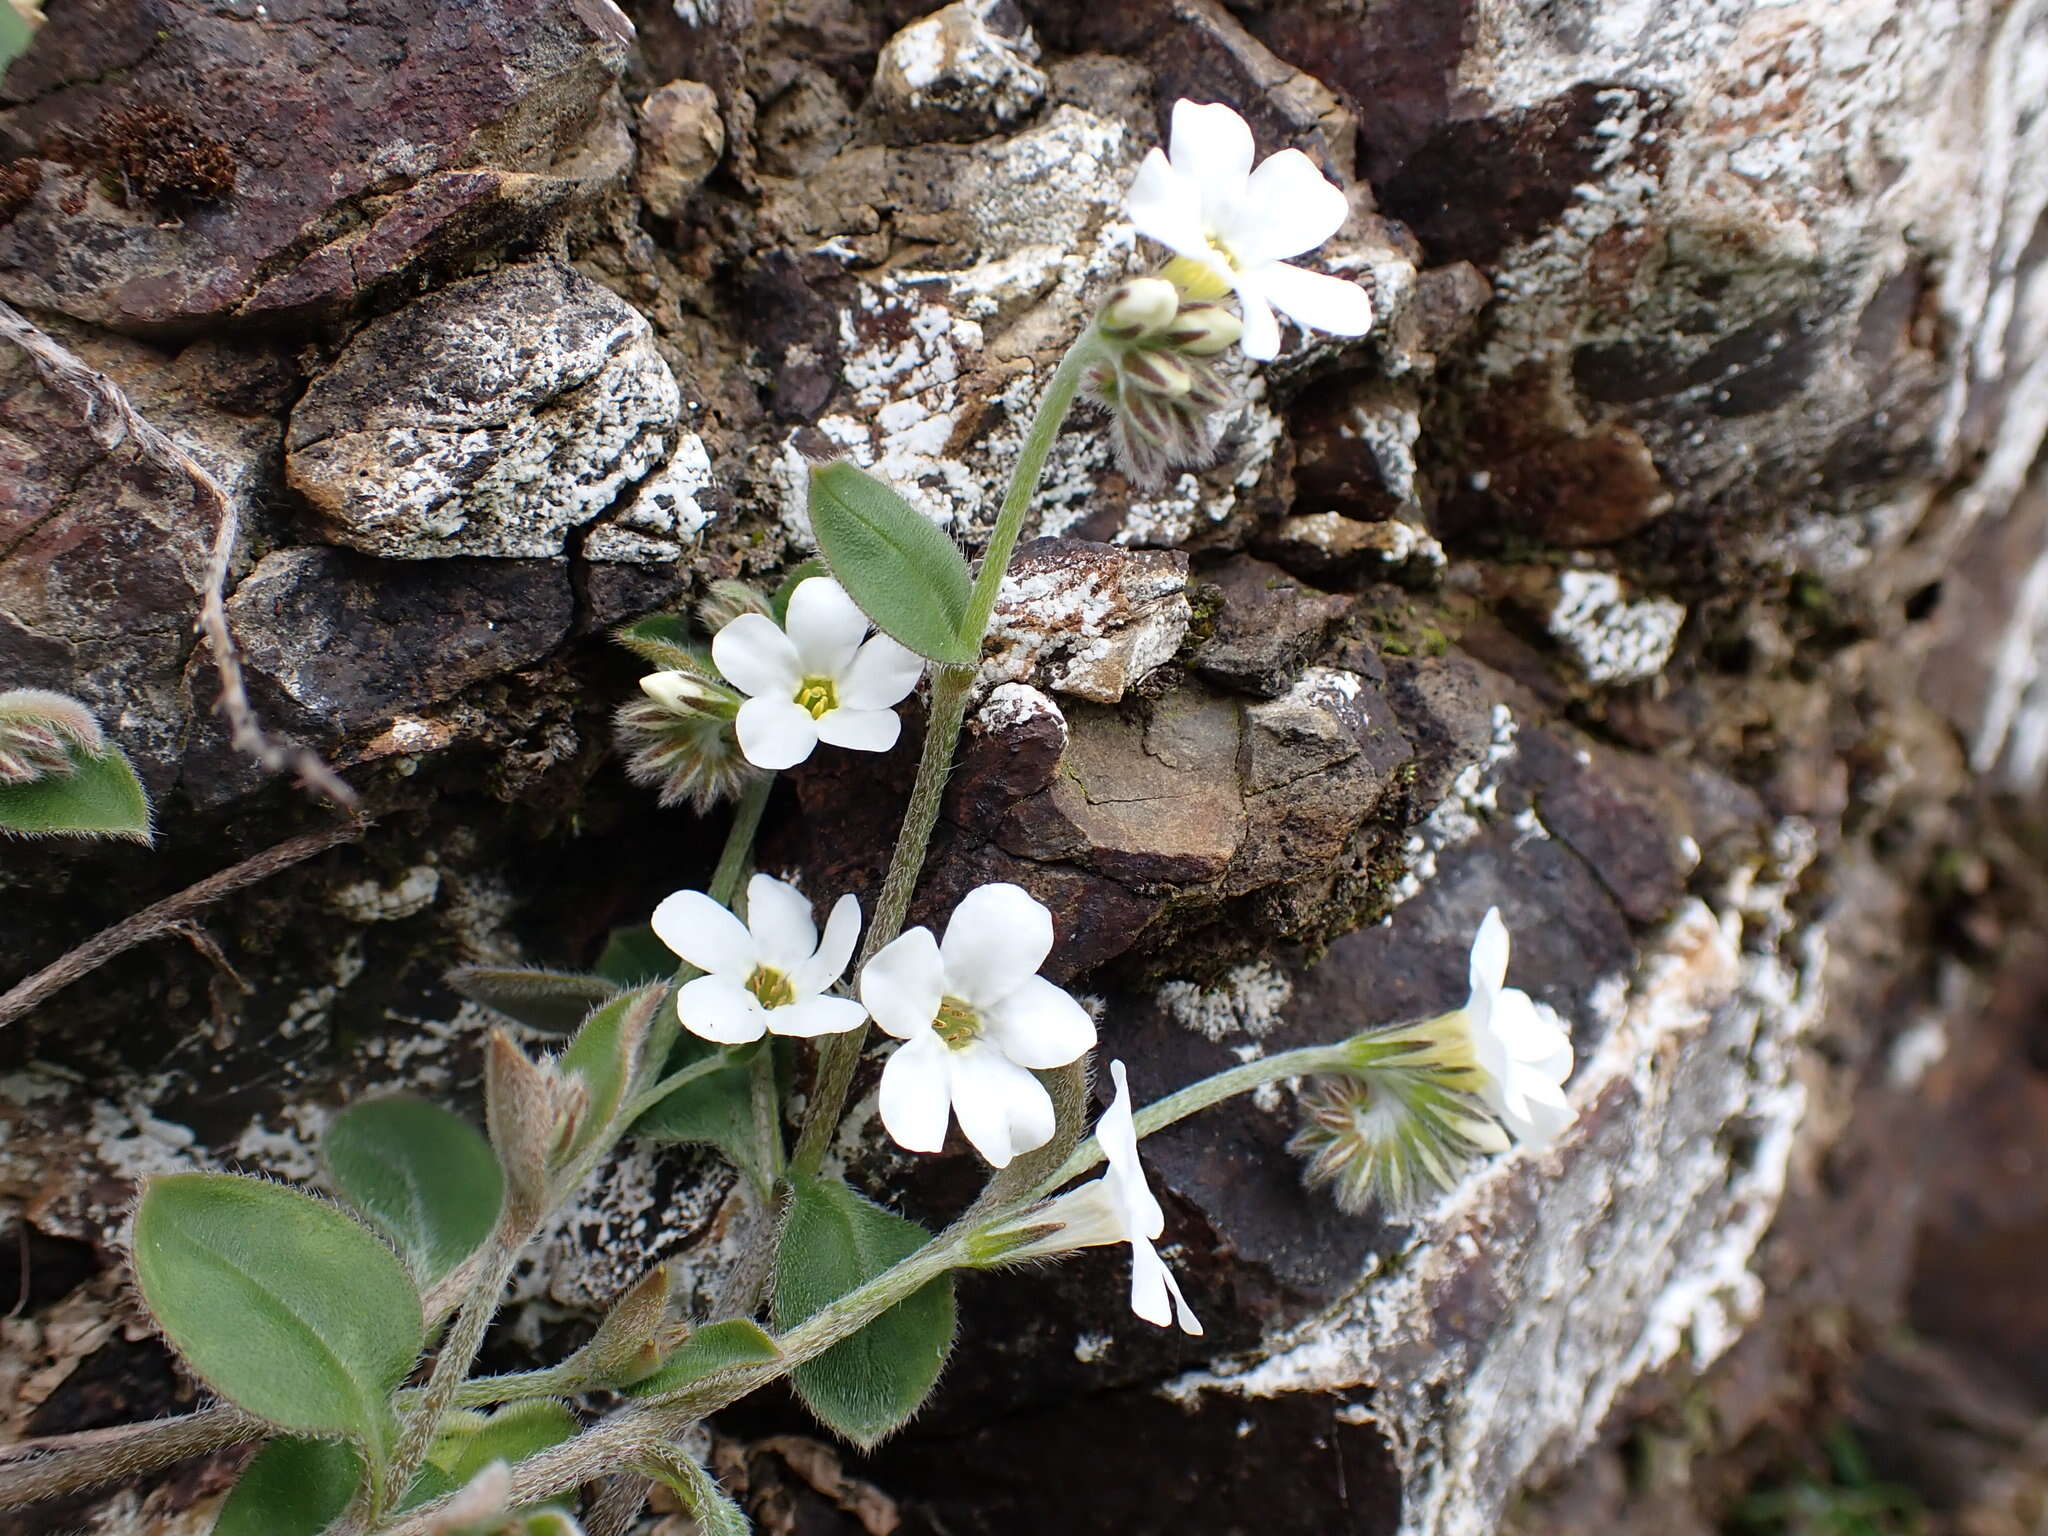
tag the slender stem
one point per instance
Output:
(1161, 1113)
(767, 1116)
(739, 842)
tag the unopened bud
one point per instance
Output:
(1203, 329)
(726, 601)
(521, 1110)
(1143, 307)
(38, 729)
(627, 1346)
(1160, 372)
(679, 691)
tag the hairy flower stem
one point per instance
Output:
(739, 844)
(1348, 1056)
(840, 1054)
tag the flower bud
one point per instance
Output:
(1143, 307)
(38, 729)
(680, 692)
(1203, 329)
(1160, 372)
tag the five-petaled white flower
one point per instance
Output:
(975, 1018)
(767, 975)
(1523, 1057)
(821, 680)
(1119, 1207)
(1202, 199)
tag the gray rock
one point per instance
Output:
(682, 138)
(492, 418)
(962, 72)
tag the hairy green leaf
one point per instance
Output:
(717, 1108)
(510, 1435)
(708, 1505)
(609, 1051)
(557, 1001)
(633, 956)
(664, 640)
(294, 1487)
(906, 575)
(868, 1384)
(423, 1177)
(714, 1347)
(100, 797)
(285, 1305)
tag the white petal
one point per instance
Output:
(903, 983)
(1039, 1026)
(1261, 340)
(1003, 1110)
(1490, 953)
(882, 675)
(916, 1099)
(1189, 1323)
(1212, 144)
(809, 1017)
(776, 733)
(1545, 1112)
(1117, 1134)
(828, 963)
(780, 916)
(721, 1008)
(860, 730)
(1089, 1217)
(996, 937)
(1168, 206)
(756, 657)
(1155, 1294)
(1320, 302)
(1289, 207)
(825, 627)
(705, 934)
(1525, 1034)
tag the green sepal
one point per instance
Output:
(835, 1240)
(285, 1305)
(556, 1001)
(714, 1347)
(294, 1487)
(423, 1177)
(100, 797)
(904, 573)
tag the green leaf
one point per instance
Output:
(664, 640)
(717, 1108)
(608, 1053)
(294, 1487)
(510, 1435)
(868, 1384)
(15, 34)
(100, 797)
(285, 1305)
(709, 1506)
(557, 1001)
(715, 1347)
(423, 1177)
(633, 956)
(905, 575)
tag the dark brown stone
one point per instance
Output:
(1267, 626)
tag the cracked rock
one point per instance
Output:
(963, 72)
(492, 418)
(1089, 620)
(1266, 628)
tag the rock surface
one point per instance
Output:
(681, 139)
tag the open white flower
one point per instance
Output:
(1235, 226)
(767, 975)
(975, 1019)
(1523, 1057)
(1119, 1207)
(818, 680)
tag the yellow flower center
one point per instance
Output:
(818, 695)
(957, 1024)
(771, 987)
(1202, 279)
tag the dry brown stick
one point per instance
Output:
(165, 916)
(49, 1468)
(111, 418)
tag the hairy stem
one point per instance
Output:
(59, 1464)
(739, 842)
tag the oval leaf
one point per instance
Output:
(714, 1347)
(423, 1177)
(100, 797)
(283, 1304)
(868, 1384)
(293, 1488)
(556, 1001)
(906, 575)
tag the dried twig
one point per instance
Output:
(167, 916)
(46, 1469)
(112, 419)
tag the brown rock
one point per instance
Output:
(1266, 628)
(682, 138)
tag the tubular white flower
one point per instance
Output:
(816, 680)
(976, 1019)
(1523, 1058)
(1119, 1207)
(1235, 225)
(767, 975)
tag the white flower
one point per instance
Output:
(976, 1018)
(1523, 1057)
(767, 975)
(817, 682)
(1203, 200)
(1119, 1207)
